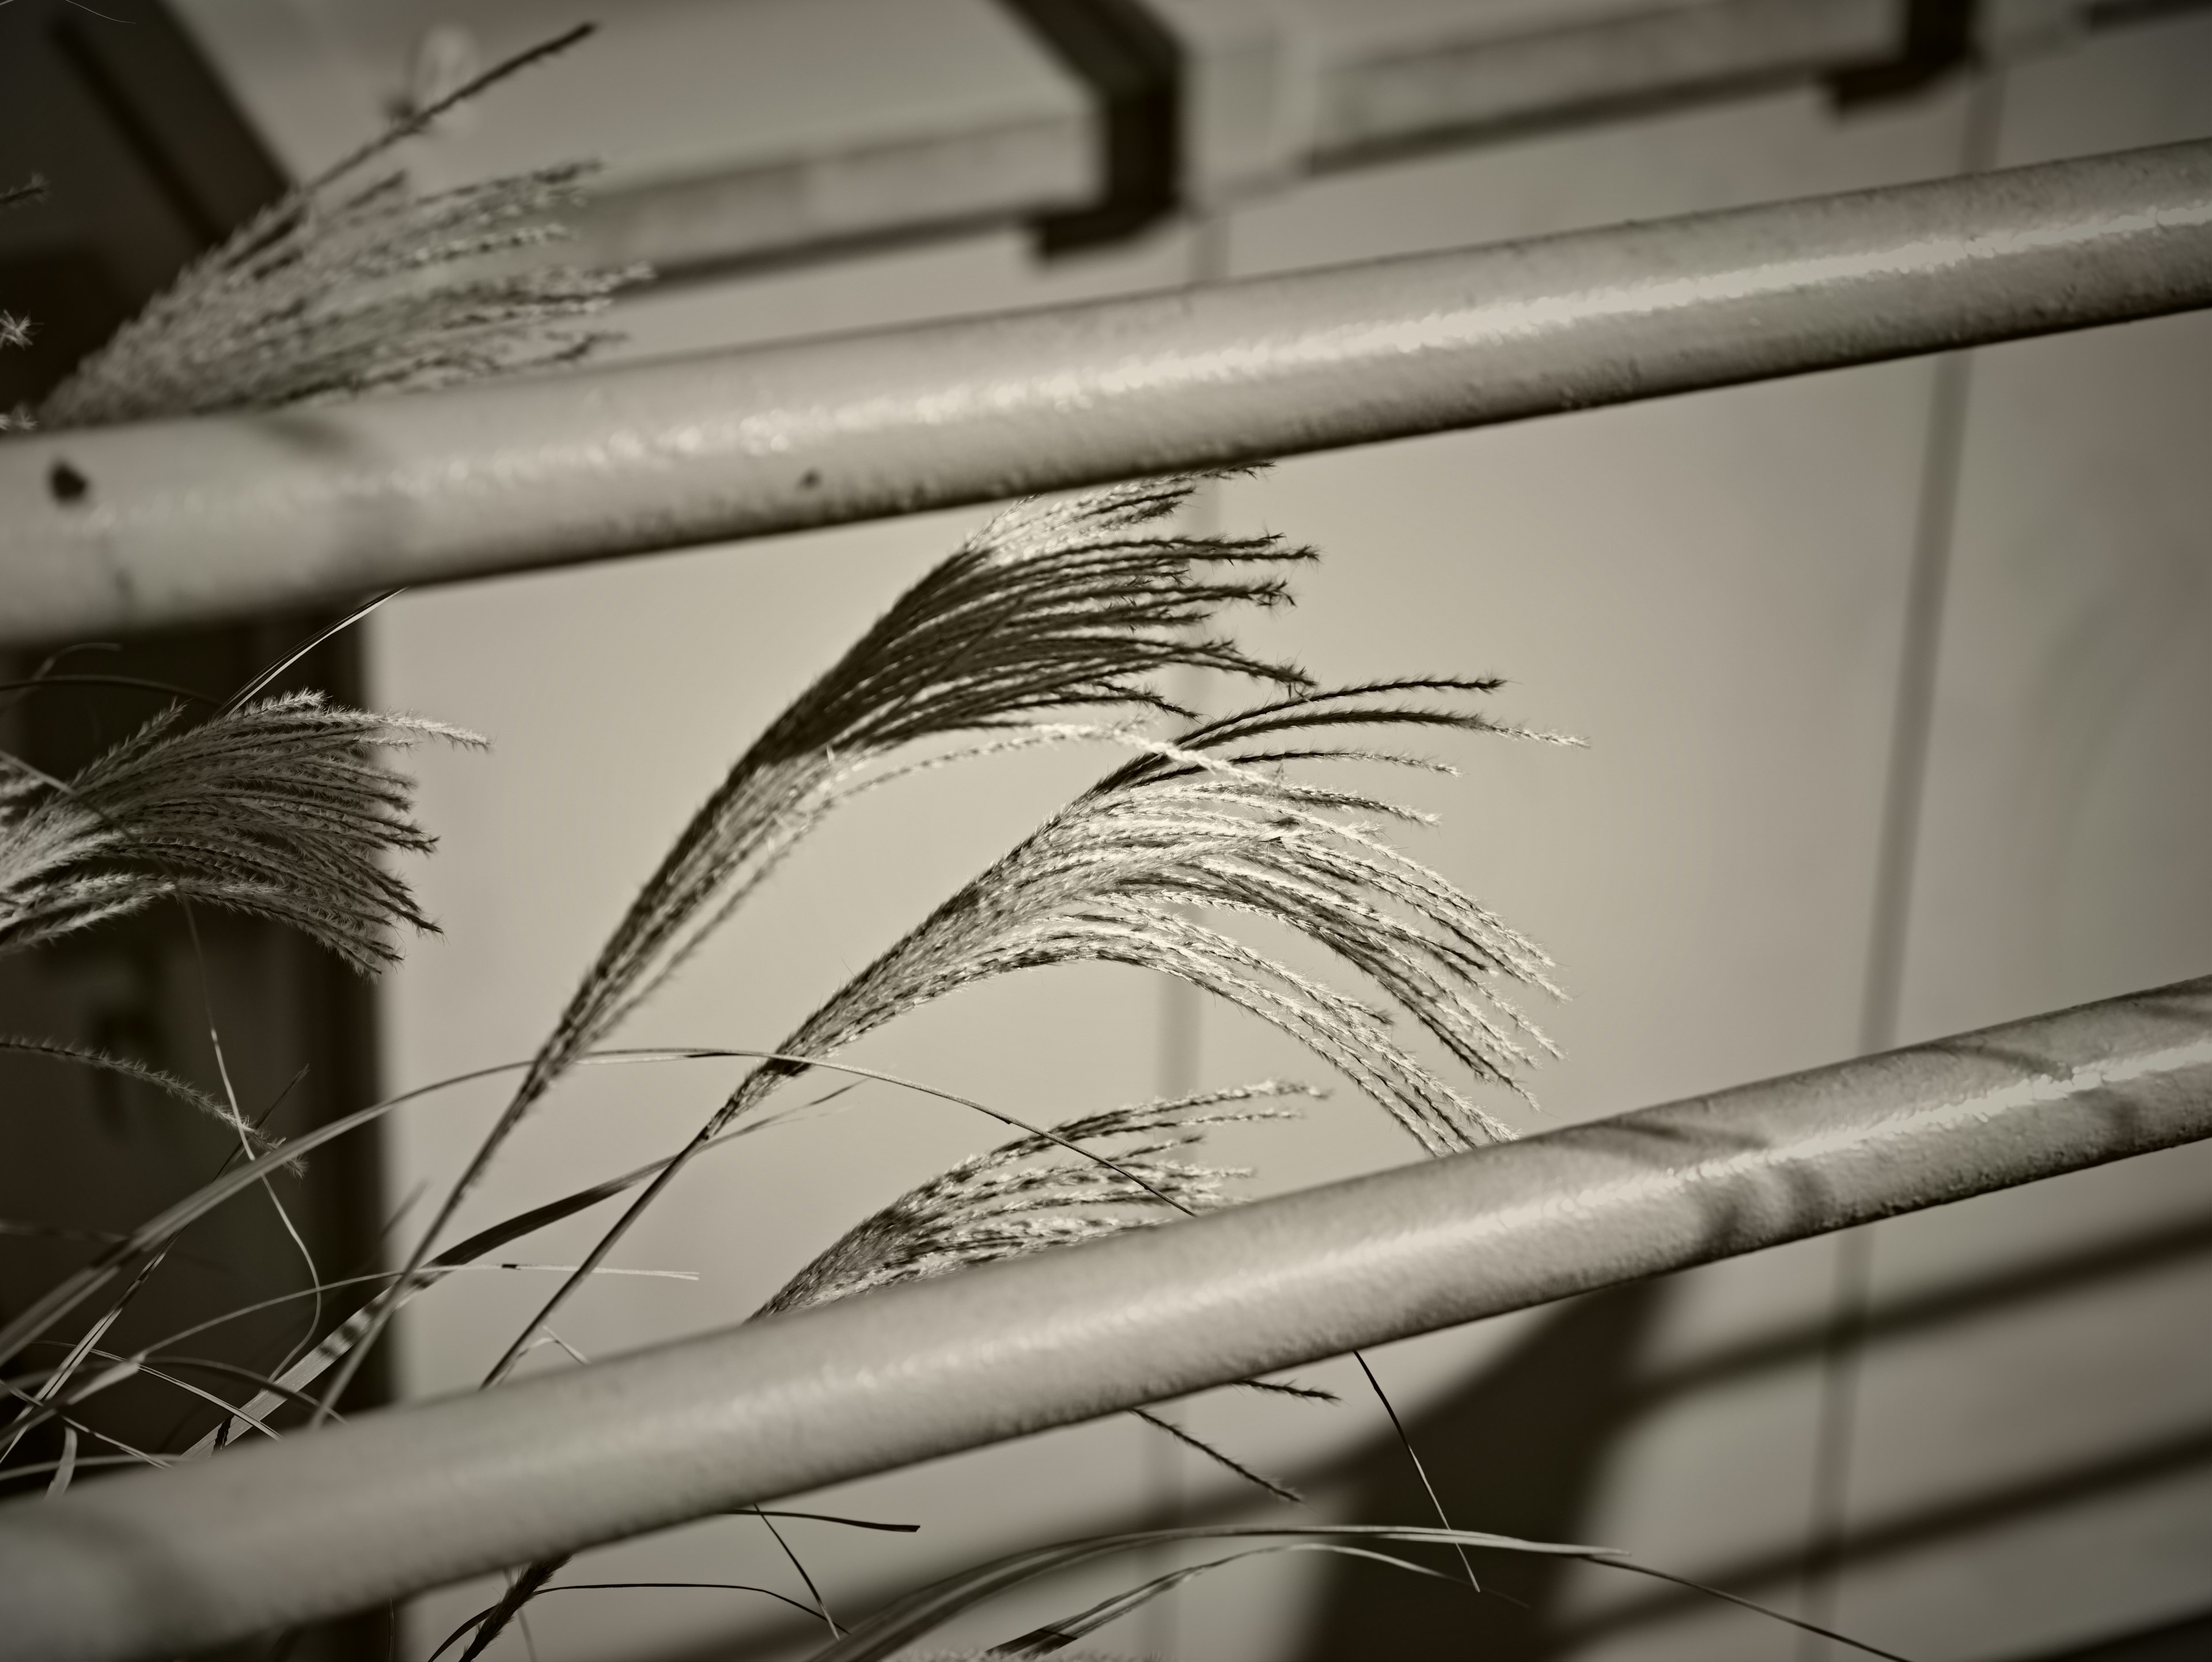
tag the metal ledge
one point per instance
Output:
(279, 1533)
(125, 528)
(1390, 96)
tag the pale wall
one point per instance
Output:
(1712, 591)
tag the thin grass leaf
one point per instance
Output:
(1228, 1463)
(279, 809)
(1049, 1188)
(107, 1061)
(525, 1584)
(47, 1402)
(137, 683)
(65, 1468)
(346, 287)
(151, 1236)
(126, 1368)
(157, 1232)
(485, 1615)
(830, 1518)
(341, 1340)
(274, 1392)
(61, 1378)
(1055, 1637)
(919, 1614)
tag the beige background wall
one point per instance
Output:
(1712, 590)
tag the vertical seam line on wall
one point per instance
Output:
(1895, 872)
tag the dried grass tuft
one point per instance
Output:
(1215, 822)
(1041, 1191)
(350, 285)
(1054, 606)
(279, 809)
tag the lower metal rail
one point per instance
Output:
(279, 1533)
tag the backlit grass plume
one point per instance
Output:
(1054, 606)
(1039, 1191)
(350, 284)
(1215, 822)
(279, 809)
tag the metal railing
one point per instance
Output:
(168, 522)
(155, 1563)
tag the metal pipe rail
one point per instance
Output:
(277, 1533)
(168, 522)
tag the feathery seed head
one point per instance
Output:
(341, 289)
(279, 808)
(1035, 1193)
(1054, 606)
(1213, 822)
(324, 296)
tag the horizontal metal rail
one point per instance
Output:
(157, 1563)
(127, 527)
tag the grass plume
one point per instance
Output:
(350, 284)
(1034, 1193)
(280, 809)
(1052, 607)
(1215, 822)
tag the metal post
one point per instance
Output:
(278, 1533)
(127, 527)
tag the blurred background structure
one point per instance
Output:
(1896, 680)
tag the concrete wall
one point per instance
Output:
(1714, 591)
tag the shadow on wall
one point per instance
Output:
(1529, 1439)
(1524, 1446)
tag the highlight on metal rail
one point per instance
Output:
(169, 522)
(155, 1563)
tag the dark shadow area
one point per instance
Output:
(146, 162)
(2016, 1286)
(2186, 1640)
(1770, 1575)
(1521, 1452)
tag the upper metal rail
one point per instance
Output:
(324, 1521)
(128, 527)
